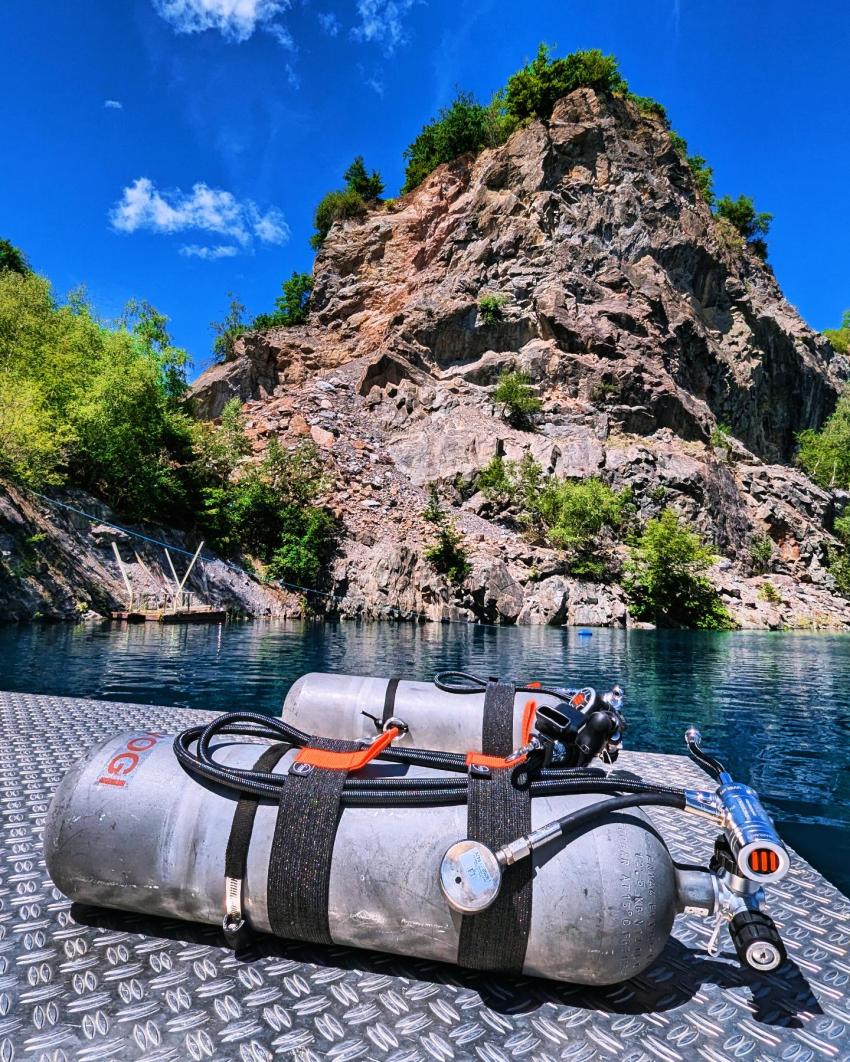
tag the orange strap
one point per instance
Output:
(534, 685)
(528, 714)
(347, 761)
(478, 759)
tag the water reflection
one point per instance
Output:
(772, 705)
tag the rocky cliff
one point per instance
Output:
(644, 323)
(56, 562)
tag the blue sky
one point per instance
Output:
(174, 150)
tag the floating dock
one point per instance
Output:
(198, 614)
(85, 985)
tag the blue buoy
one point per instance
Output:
(585, 634)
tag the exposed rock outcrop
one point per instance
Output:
(643, 322)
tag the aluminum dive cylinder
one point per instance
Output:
(129, 828)
(348, 705)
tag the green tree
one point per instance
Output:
(751, 225)
(463, 126)
(666, 579)
(825, 455)
(292, 307)
(576, 514)
(149, 331)
(533, 91)
(519, 403)
(840, 337)
(228, 330)
(365, 184)
(12, 259)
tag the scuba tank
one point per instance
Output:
(602, 909)
(510, 863)
(450, 714)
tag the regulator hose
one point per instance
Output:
(377, 792)
(576, 819)
(462, 682)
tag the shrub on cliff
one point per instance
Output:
(703, 173)
(291, 307)
(519, 403)
(461, 127)
(666, 580)
(825, 455)
(361, 189)
(533, 91)
(750, 224)
(840, 337)
(447, 554)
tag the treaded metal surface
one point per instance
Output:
(85, 985)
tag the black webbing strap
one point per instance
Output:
(497, 734)
(499, 812)
(389, 699)
(302, 848)
(236, 857)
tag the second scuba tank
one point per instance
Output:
(353, 707)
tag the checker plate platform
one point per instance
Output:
(80, 984)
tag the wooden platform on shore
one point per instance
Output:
(199, 614)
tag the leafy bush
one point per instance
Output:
(825, 455)
(463, 126)
(292, 307)
(665, 578)
(761, 552)
(579, 516)
(768, 592)
(494, 480)
(490, 307)
(448, 553)
(702, 172)
(840, 337)
(575, 513)
(839, 569)
(264, 509)
(752, 226)
(228, 330)
(647, 105)
(335, 206)
(519, 403)
(12, 259)
(361, 190)
(533, 91)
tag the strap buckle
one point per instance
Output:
(343, 761)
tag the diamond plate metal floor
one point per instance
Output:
(80, 984)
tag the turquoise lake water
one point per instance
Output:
(774, 707)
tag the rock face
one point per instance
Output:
(57, 564)
(643, 323)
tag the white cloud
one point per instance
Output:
(113, 105)
(209, 254)
(329, 23)
(235, 19)
(142, 207)
(382, 22)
